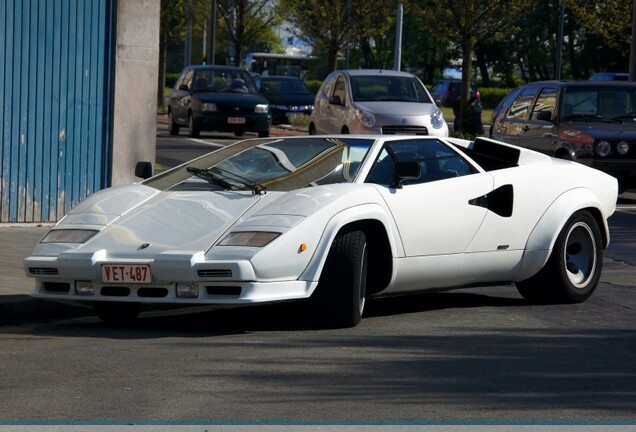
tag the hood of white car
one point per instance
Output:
(184, 220)
(408, 109)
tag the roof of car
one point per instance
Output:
(200, 67)
(375, 72)
(585, 83)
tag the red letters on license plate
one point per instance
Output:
(126, 273)
(236, 120)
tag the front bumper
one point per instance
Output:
(215, 283)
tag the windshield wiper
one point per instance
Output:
(210, 177)
(257, 188)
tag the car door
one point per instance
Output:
(515, 121)
(433, 213)
(180, 98)
(336, 109)
(538, 131)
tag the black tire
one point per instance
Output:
(117, 312)
(344, 131)
(193, 129)
(173, 128)
(574, 267)
(239, 133)
(342, 288)
(263, 134)
(312, 129)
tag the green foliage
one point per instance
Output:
(314, 85)
(491, 96)
(171, 78)
(299, 121)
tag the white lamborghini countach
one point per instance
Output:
(333, 221)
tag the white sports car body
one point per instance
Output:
(336, 220)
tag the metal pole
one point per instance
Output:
(560, 42)
(632, 49)
(213, 34)
(397, 60)
(188, 42)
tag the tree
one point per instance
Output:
(467, 22)
(333, 25)
(247, 23)
(611, 20)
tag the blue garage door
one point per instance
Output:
(56, 63)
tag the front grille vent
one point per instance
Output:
(57, 287)
(152, 292)
(215, 273)
(44, 271)
(404, 129)
(115, 291)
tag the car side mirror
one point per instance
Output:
(406, 170)
(544, 115)
(335, 100)
(183, 87)
(143, 170)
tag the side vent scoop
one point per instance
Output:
(499, 201)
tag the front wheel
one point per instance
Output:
(117, 312)
(263, 134)
(173, 127)
(342, 288)
(574, 267)
(193, 129)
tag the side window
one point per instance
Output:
(546, 103)
(521, 106)
(437, 162)
(187, 80)
(339, 89)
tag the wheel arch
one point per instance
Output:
(380, 257)
(544, 235)
(381, 236)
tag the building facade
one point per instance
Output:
(77, 100)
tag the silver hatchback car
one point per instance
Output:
(360, 101)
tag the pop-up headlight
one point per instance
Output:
(248, 238)
(68, 236)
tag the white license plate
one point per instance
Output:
(126, 273)
(236, 120)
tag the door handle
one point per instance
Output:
(525, 128)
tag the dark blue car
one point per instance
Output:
(218, 98)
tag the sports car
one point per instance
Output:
(331, 221)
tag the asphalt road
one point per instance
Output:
(480, 355)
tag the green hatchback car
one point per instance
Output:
(218, 98)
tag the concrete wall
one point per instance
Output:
(136, 75)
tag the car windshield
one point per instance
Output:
(223, 80)
(263, 165)
(599, 103)
(284, 86)
(387, 88)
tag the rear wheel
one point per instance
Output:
(574, 267)
(312, 129)
(193, 129)
(173, 127)
(117, 312)
(342, 289)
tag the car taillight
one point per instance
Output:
(478, 95)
